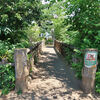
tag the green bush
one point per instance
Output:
(78, 69)
(77, 66)
(49, 41)
(7, 72)
(98, 82)
(7, 78)
(6, 51)
(68, 55)
(22, 14)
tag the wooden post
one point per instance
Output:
(21, 70)
(89, 70)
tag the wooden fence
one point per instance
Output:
(24, 60)
(88, 74)
(62, 49)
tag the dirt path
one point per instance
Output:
(54, 80)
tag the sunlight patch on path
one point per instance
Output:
(54, 80)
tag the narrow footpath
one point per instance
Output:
(54, 80)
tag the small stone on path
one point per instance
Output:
(55, 97)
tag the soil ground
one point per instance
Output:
(53, 80)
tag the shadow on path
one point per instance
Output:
(53, 80)
(56, 67)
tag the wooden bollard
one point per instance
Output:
(89, 70)
(21, 70)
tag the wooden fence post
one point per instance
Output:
(89, 70)
(21, 70)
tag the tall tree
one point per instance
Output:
(15, 15)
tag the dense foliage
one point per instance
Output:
(15, 16)
(19, 22)
(7, 78)
(77, 23)
(85, 18)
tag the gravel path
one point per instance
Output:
(54, 80)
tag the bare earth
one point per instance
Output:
(54, 80)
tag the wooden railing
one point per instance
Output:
(60, 47)
(25, 59)
(88, 73)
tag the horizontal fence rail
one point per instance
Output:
(89, 72)
(24, 61)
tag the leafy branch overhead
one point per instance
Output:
(15, 15)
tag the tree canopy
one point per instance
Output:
(15, 15)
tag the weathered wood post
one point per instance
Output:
(21, 70)
(89, 70)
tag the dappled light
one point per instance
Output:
(49, 50)
(53, 80)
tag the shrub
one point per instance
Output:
(98, 82)
(49, 41)
(7, 78)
